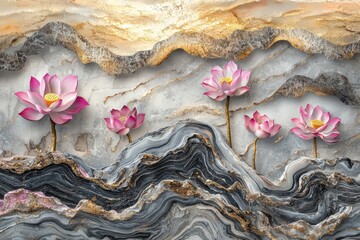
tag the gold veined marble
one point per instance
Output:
(126, 27)
(123, 36)
(180, 179)
(335, 21)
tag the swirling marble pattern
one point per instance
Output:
(180, 182)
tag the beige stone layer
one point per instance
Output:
(126, 27)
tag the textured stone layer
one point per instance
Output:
(184, 174)
(237, 45)
(126, 27)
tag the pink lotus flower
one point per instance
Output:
(123, 120)
(261, 126)
(51, 96)
(229, 81)
(314, 122)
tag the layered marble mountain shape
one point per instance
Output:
(123, 36)
(179, 179)
(181, 182)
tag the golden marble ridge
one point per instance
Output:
(127, 27)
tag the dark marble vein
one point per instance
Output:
(184, 173)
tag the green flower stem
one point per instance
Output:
(228, 120)
(53, 135)
(315, 147)
(129, 137)
(254, 154)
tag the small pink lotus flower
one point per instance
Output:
(314, 122)
(121, 121)
(261, 125)
(51, 96)
(227, 81)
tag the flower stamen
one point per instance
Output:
(228, 80)
(50, 98)
(123, 118)
(316, 123)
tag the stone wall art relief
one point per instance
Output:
(179, 119)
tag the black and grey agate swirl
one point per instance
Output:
(181, 182)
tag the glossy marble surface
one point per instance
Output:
(172, 92)
(179, 179)
(179, 182)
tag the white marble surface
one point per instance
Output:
(171, 92)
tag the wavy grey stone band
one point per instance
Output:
(236, 46)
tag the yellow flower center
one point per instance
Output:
(50, 98)
(227, 80)
(123, 118)
(316, 123)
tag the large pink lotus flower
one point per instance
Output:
(51, 96)
(121, 121)
(314, 122)
(261, 125)
(227, 81)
